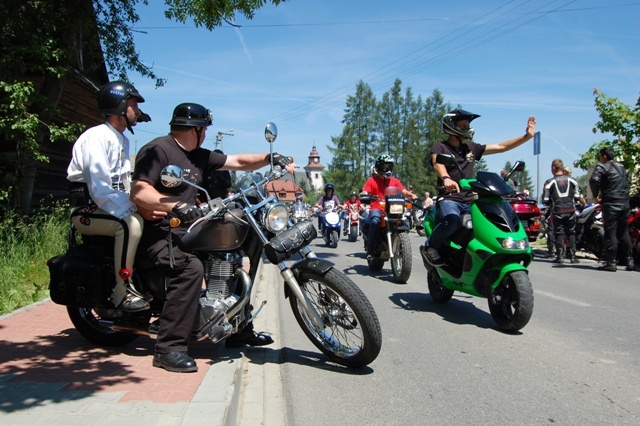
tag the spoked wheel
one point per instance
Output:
(351, 335)
(511, 304)
(87, 322)
(401, 260)
(439, 293)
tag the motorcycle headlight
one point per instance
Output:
(396, 208)
(277, 218)
(511, 244)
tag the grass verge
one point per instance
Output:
(25, 246)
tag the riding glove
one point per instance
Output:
(281, 160)
(187, 212)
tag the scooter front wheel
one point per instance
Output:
(511, 304)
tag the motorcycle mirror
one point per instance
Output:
(519, 166)
(448, 160)
(171, 176)
(271, 132)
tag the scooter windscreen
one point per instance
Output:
(491, 183)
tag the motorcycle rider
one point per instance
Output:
(329, 202)
(452, 203)
(581, 202)
(100, 181)
(374, 186)
(609, 183)
(182, 147)
(561, 192)
(353, 204)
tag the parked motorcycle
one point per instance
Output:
(526, 208)
(331, 310)
(417, 216)
(590, 231)
(392, 240)
(486, 257)
(634, 233)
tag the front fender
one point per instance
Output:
(315, 265)
(506, 269)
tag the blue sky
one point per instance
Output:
(295, 64)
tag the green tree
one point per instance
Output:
(43, 38)
(353, 150)
(623, 123)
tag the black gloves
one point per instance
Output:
(280, 160)
(187, 212)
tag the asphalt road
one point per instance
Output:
(576, 362)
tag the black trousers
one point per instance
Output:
(616, 231)
(180, 309)
(564, 224)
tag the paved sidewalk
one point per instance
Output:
(49, 374)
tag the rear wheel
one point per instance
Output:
(511, 304)
(401, 260)
(375, 264)
(439, 293)
(87, 322)
(351, 335)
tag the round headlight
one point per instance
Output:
(277, 218)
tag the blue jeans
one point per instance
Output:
(449, 213)
(373, 223)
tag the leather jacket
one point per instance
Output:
(609, 180)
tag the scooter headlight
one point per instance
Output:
(511, 244)
(277, 218)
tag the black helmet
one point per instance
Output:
(384, 165)
(112, 99)
(449, 123)
(329, 186)
(192, 115)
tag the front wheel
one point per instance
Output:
(401, 260)
(353, 233)
(511, 304)
(87, 322)
(334, 236)
(351, 335)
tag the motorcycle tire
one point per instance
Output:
(353, 233)
(402, 257)
(420, 230)
(87, 322)
(597, 238)
(352, 335)
(375, 264)
(333, 239)
(439, 293)
(511, 304)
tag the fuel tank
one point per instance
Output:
(220, 234)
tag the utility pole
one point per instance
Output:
(218, 143)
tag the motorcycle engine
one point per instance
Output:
(219, 275)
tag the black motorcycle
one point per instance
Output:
(590, 232)
(331, 310)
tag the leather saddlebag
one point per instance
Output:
(80, 277)
(283, 245)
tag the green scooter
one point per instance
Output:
(488, 255)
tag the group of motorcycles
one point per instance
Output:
(486, 257)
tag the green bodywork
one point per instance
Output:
(486, 262)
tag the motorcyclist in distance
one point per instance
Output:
(352, 204)
(329, 202)
(452, 202)
(374, 186)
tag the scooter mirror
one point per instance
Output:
(171, 176)
(519, 166)
(271, 132)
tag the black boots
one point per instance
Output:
(572, 256)
(630, 265)
(559, 256)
